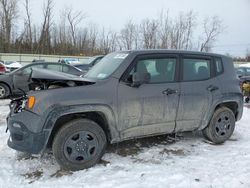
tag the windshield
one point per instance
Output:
(106, 66)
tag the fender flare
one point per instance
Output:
(58, 111)
(235, 98)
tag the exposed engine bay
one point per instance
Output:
(41, 79)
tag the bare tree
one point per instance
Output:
(44, 44)
(108, 41)
(8, 14)
(191, 23)
(149, 33)
(93, 34)
(69, 37)
(164, 30)
(212, 29)
(128, 36)
(28, 26)
(74, 18)
(248, 55)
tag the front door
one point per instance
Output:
(21, 79)
(151, 108)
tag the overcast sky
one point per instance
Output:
(114, 13)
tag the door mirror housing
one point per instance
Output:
(140, 78)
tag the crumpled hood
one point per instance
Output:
(44, 74)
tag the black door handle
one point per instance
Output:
(169, 91)
(212, 88)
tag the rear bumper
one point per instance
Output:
(22, 138)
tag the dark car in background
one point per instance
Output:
(89, 64)
(243, 71)
(10, 84)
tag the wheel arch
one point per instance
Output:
(232, 105)
(103, 118)
(5, 83)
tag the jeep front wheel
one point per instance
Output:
(79, 144)
(221, 126)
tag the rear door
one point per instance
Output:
(198, 86)
(150, 108)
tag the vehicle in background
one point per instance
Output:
(90, 63)
(38, 61)
(11, 65)
(2, 68)
(69, 61)
(243, 71)
(10, 84)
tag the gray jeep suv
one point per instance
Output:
(127, 95)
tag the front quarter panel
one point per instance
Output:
(99, 97)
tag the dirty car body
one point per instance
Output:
(111, 95)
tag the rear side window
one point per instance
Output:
(196, 69)
(218, 66)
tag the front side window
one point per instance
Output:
(196, 69)
(160, 69)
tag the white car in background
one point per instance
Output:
(69, 61)
(11, 65)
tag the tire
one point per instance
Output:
(4, 91)
(221, 126)
(79, 144)
(247, 99)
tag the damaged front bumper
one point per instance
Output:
(24, 135)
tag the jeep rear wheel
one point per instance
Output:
(221, 126)
(79, 144)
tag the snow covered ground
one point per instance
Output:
(154, 162)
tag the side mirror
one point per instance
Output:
(140, 78)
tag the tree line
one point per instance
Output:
(72, 36)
